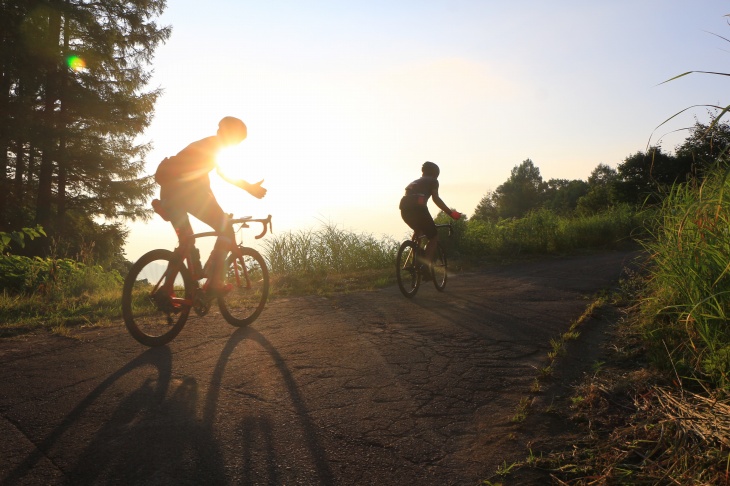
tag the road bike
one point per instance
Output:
(163, 286)
(411, 266)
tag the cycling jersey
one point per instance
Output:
(413, 207)
(191, 165)
(418, 192)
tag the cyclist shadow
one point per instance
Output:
(125, 448)
(153, 437)
(261, 428)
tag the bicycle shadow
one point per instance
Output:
(149, 395)
(261, 428)
(154, 435)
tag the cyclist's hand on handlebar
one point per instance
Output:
(455, 214)
(256, 190)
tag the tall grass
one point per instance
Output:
(689, 295)
(327, 258)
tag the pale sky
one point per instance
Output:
(345, 100)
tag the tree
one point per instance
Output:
(562, 195)
(706, 146)
(601, 191)
(486, 209)
(521, 193)
(644, 176)
(73, 79)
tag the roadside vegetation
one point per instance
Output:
(656, 408)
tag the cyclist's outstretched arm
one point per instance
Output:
(442, 205)
(439, 202)
(256, 190)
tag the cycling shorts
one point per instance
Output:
(419, 219)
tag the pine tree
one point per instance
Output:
(73, 82)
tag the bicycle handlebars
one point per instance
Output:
(266, 222)
(444, 225)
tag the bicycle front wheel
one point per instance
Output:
(439, 269)
(406, 268)
(246, 284)
(157, 297)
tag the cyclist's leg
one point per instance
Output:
(422, 223)
(413, 217)
(207, 210)
(433, 243)
(178, 217)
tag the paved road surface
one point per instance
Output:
(363, 388)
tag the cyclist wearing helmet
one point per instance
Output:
(414, 211)
(185, 184)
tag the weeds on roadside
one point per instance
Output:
(685, 308)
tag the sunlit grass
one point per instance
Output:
(688, 304)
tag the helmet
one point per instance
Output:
(431, 169)
(232, 129)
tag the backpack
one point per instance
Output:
(165, 171)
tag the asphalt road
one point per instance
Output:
(361, 388)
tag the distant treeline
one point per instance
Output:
(643, 178)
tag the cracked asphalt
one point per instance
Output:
(360, 388)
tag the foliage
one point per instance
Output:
(18, 237)
(71, 108)
(645, 177)
(544, 232)
(562, 195)
(642, 179)
(521, 192)
(85, 240)
(486, 210)
(705, 147)
(54, 278)
(690, 288)
(601, 193)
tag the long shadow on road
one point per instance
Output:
(150, 394)
(152, 433)
(252, 425)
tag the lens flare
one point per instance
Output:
(76, 63)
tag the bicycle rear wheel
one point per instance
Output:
(153, 311)
(439, 269)
(406, 269)
(248, 277)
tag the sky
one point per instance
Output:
(345, 100)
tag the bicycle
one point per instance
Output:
(161, 289)
(410, 265)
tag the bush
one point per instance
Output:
(545, 232)
(56, 278)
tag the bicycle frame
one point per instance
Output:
(418, 238)
(187, 243)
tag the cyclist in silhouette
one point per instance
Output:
(185, 187)
(414, 211)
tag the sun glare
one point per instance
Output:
(229, 161)
(76, 63)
